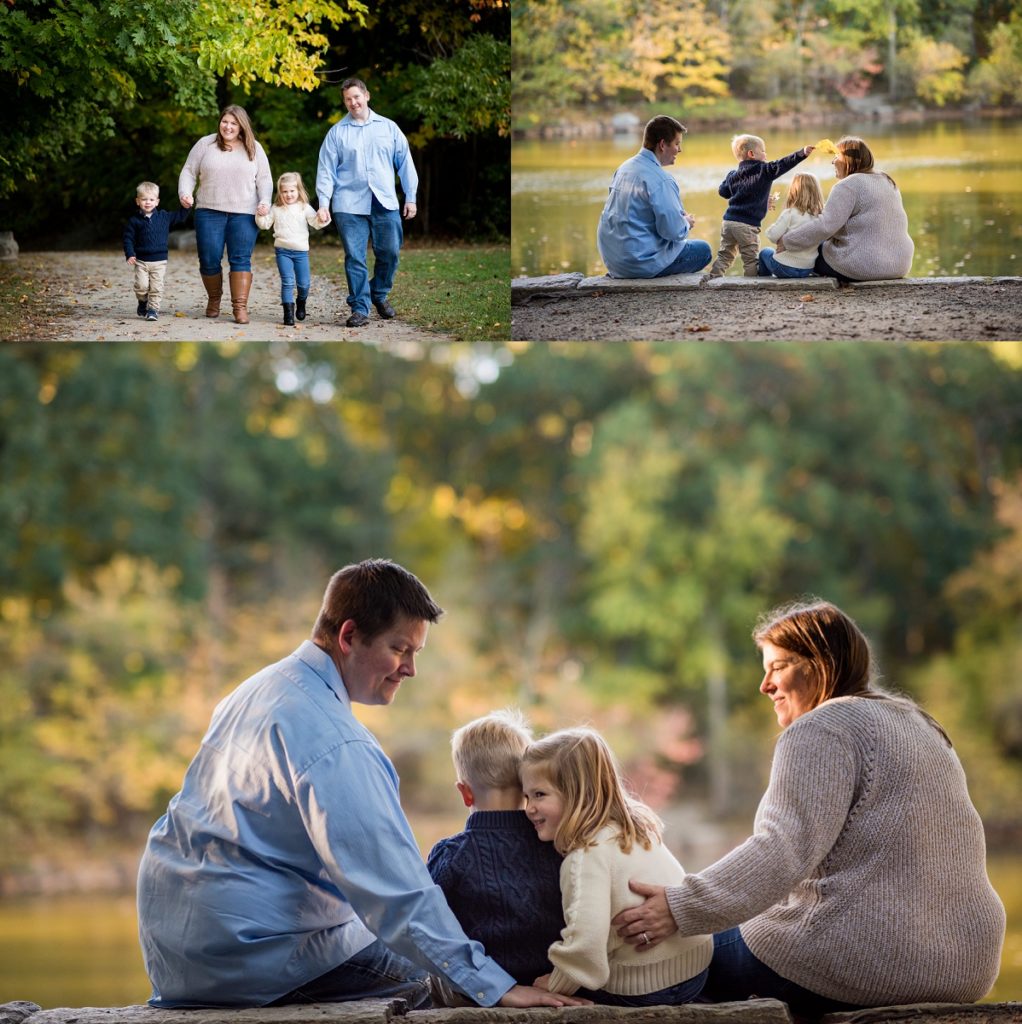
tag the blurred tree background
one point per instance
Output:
(718, 57)
(602, 523)
(97, 95)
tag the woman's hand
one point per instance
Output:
(780, 244)
(651, 922)
(262, 210)
(529, 995)
(186, 201)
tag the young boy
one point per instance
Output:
(747, 189)
(500, 879)
(145, 247)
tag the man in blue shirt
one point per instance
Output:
(285, 871)
(644, 228)
(355, 180)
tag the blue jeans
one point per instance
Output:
(824, 269)
(214, 230)
(695, 254)
(769, 267)
(735, 974)
(372, 973)
(293, 264)
(384, 228)
(683, 992)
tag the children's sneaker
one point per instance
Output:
(142, 306)
(151, 314)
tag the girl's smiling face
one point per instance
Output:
(288, 194)
(544, 805)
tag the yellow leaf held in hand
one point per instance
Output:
(826, 146)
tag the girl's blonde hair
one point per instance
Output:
(291, 178)
(581, 767)
(805, 194)
(245, 133)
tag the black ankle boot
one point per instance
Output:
(289, 314)
(300, 307)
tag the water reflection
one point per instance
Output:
(959, 181)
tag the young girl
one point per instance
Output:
(576, 800)
(805, 203)
(290, 217)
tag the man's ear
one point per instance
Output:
(346, 635)
(466, 793)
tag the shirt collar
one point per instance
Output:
(323, 665)
(648, 154)
(348, 119)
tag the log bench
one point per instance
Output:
(752, 1011)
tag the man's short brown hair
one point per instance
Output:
(374, 594)
(662, 128)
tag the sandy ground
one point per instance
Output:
(92, 299)
(967, 312)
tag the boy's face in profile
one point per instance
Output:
(756, 152)
(147, 203)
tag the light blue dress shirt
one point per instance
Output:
(287, 851)
(642, 227)
(357, 161)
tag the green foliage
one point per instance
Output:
(998, 78)
(935, 70)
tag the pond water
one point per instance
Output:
(77, 951)
(959, 181)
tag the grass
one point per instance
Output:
(457, 289)
(25, 313)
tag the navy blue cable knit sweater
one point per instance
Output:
(748, 187)
(145, 238)
(503, 884)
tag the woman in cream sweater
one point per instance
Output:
(864, 882)
(863, 228)
(576, 800)
(234, 185)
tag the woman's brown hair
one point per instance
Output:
(858, 157)
(244, 129)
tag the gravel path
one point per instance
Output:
(960, 312)
(92, 299)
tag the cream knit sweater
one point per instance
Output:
(290, 225)
(594, 887)
(228, 181)
(865, 878)
(863, 228)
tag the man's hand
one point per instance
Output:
(323, 216)
(521, 996)
(409, 210)
(691, 220)
(651, 922)
(186, 202)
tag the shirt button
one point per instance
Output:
(446, 964)
(480, 995)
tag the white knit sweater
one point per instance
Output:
(290, 225)
(863, 228)
(228, 181)
(594, 887)
(803, 259)
(865, 878)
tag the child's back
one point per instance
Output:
(503, 885)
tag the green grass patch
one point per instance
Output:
(462, 290)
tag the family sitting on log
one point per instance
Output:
(285, 871)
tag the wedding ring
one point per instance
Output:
(645, 939)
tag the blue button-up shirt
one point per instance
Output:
(357, 161)
(642, 227)
(286, 852)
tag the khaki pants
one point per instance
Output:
(149, 282)
(736, 237)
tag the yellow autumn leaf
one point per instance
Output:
(826, 146)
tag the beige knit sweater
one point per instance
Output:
(863, 228)
(228, 181)
(594, 887)
(865, 878)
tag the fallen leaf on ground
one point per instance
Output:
(806, 298)
(696, 328)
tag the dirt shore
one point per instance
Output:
(965, 312)
(91, 298)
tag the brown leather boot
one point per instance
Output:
(214, 284)
(241, 283)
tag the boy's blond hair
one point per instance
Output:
(487, 752)
(805, 194)
(147, 188)
(741, 144)
(295, 179)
